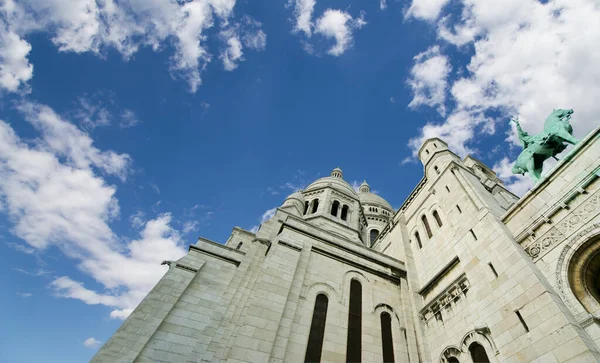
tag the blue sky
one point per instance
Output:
(130, 128)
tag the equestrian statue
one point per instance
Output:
(548, 143)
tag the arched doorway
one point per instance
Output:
(478, 353)
(584, 275)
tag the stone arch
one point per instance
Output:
(573, 263)
(381, 307)
(481, 336)
(450, 351)
(311, 292)
(435, 208)
(364, 281)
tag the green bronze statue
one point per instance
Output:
(549, 143)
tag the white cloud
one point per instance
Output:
(428, 79)
(529, 58)
(265, 217)
(38, 272)
(54, 192)
(339, 25)
(129, 119)
(426, 9)
(332, 24)
(190, 226)
(232, 53)
(382, 4)
(121, 314)
(92, 342)
(15, 68)
(137, 219)
(21, 248)
(246, 33)
(303, 11)
(24, 294)
(91, 112)
(94, 26)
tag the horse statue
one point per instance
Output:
(546, 144)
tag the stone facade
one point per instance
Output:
(465, 270)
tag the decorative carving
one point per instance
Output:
(445, 299)
(561, 284)
(587, 210)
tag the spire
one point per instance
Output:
(337, 173)
(364, 187)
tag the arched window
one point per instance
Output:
(426, 225)
(438, 220)
(583, 272)
(453, 360)
(437, 170)
(478, 354)
(315, 205)
(317, 330)
(353, 346)
(418, 238)
(387, 341)
(334, 208)
(305, 207)
(345, 212)
(239, 246)
(373, 235)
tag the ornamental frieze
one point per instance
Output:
(571, 223)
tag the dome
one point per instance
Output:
(366, 197)
(296, 195)
(334, 181)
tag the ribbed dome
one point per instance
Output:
(373, 199)
(334, 181)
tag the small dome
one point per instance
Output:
(296, 195)
(364, 187)
(332, 182)
(337, 173)
(366, 197)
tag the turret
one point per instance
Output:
(294, 203)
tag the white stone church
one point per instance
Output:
(464, 271)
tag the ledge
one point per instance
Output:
(360, 251)
(449, 266)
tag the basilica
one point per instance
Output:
(464, 271)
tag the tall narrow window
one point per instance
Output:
(317, 330)
(438, 220)
(418, 238)
(387, 341)
(373, 235)
(305, 207)
(437, 170)
(473, 234)
(334, 208)
(458, 207)
(315, 205)
(239, 245)
(344, 212)
(426, 225)
(353, 346)
(522, 320)
(478, 354)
